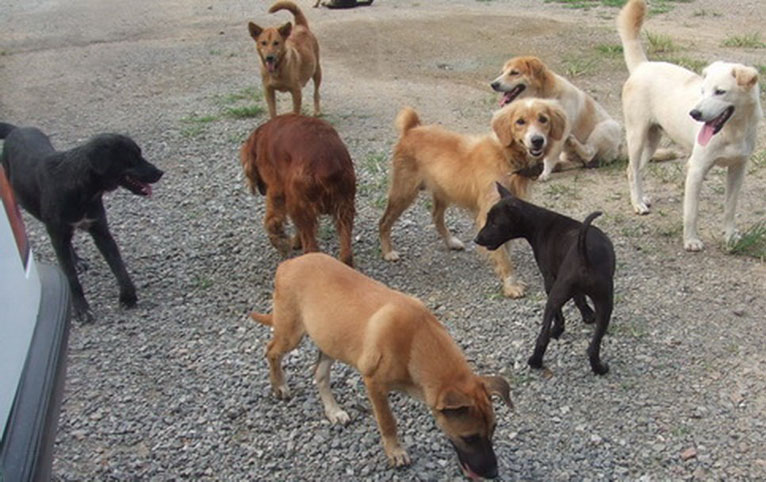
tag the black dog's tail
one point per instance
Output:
(581, 247)
(5, 129)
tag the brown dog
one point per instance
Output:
(394, 342)
(289, 58)
(303, 168)
(463, 170)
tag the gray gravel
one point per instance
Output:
(178, 387)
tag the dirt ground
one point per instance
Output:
(686, 344)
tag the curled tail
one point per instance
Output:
(581, 247)
(300, 19)
(629, 27)
(262, 319)
(5, 129)
(406, 119)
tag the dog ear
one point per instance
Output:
(453, 400)
(254, 29)
(746, 76)
(501, 124)
(504, 193)
(558, 122)
(498, 386)
(285, 30)
(540, 73)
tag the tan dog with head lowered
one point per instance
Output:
(394, 342)
(461, 169)
(289, 58)
(592, 135)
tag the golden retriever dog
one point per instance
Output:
(395, 343)
(592, 138)
(289, 58)
(462, 169)
(715, 116)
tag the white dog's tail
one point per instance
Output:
(629, 27)
(406, 120)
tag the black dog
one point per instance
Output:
(575, 259)
(63, 190)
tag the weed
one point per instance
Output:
(749, 41)
(244, 112)
(199, 120)
(202, 283)
(752, 242)
(248, 93)
(660, 43)
(192, 131)
(577, 66)
(609, 50)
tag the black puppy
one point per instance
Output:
(575, 259)
(63, 190)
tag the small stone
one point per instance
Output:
(689, 453)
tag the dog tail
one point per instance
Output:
(629, 27)
(581, 239)
(5, 129)
(300, 19)
(406, 120)
(262, 319)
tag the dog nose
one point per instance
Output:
(495, 85)
(269, 58)
(537, 141)
(696, 114)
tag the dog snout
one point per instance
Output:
(537, 141)
(271, 58)
(696, 114)
(495, 85)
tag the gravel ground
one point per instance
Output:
(178, 387)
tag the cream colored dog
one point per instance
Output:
(715, 116)
(394, 342)
(592, 137)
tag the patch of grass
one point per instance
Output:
(609, 50)
(249, 93)
(748, 41)
(660, 43)
(244, 112)
(703, 13)
(667, 172)
(561, 190)
(752, 242)
(577, 66)
(375, 184)
(202, 283)
(673, 231)
(633, 329)
(192, 131)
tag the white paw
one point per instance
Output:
(398, 457)
(544, 176)
(641, 208)
(732, 237)
(391, 256)
(455, 244)
(337, 416)
(693, 244)
(513, 288)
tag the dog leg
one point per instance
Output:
(551, 159)
(61, 239)
(401, 193)
(317, 82)
(334, 413)
(641, 145)
(306, 224)
(108, 248)
(344, 225)
(501, 262)
(585, 152)
(604, 141)
(734, 177)
(588, 316)
(79, 263)
(297, 243)
(273, 221)
(271, 101)
(558, 317)
(282, 342)
(603, 314)
(560, 294)
(297, 100)
(437, 214)
(697, 169)
(378, 396)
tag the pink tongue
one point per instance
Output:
(705, 134)
(271, 66)
(504, 99)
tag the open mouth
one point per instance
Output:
(136, 187)
(536, 152)
(468, 472)
(271, 65)
(511, 95)
(712, 127)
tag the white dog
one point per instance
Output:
(715, 116)
(592, 135)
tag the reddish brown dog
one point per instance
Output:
(303, 168)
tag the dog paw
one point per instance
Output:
(338, 416)
(599, 368)
(514, 289)
(128, 299)
(455, 244)
(693, 244)
(641, 208)
(397, 456)
(281, 392)
(391, 256)
(732, 237)
(535, 362)
(544, 176)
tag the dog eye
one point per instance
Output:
(514, 72)
(719, 92)
(520, 122)
(542, 119)
(471, 439)
(264, 43)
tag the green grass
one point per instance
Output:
(749, 41)
(660, 43)
(376, 187)
(656, 6)
(609, 50)
(752, 242)
(249, 93)
(244, 112)
(578, 66)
